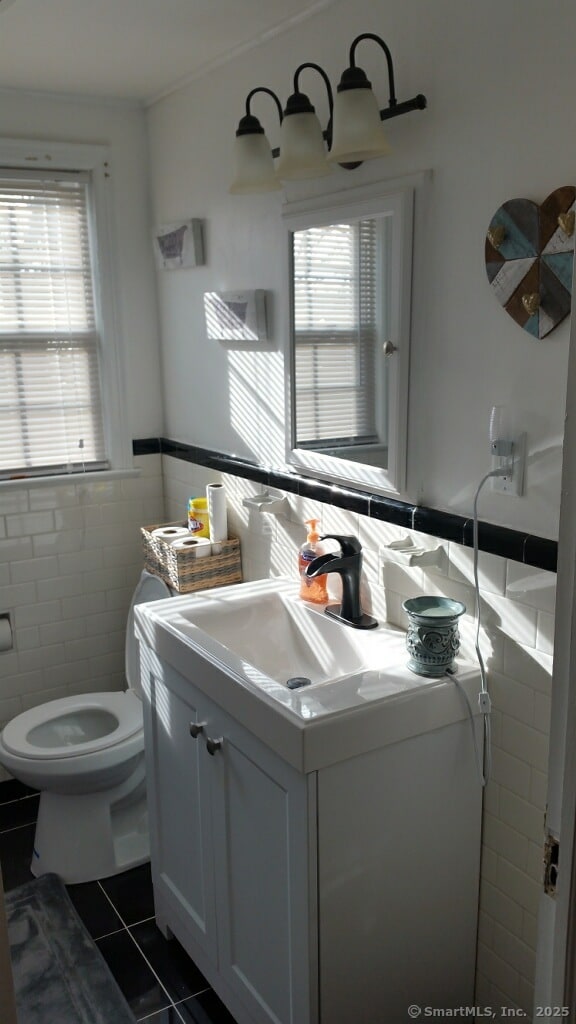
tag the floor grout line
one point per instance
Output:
(143, 955)
(126, 928)
(27, 824)
(106, 934)
(110, 901)
(142, 921)
(18, 800)
(152, 1016)
(194, 995)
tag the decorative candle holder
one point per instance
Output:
(433, 640)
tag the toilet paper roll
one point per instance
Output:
(170, 532)
(5, 634)
(217, 514)
(199, 547)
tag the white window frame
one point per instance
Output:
(95, 160)
(394, 200)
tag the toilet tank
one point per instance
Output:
(149, 588)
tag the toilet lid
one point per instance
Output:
(149, 588)
(73, 726)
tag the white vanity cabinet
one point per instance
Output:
(230, 852)
(335, 884)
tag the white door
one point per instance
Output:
(557, 920)
(179, 808)
(264, 856)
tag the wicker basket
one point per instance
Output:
(183, 571)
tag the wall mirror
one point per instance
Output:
(350, 260)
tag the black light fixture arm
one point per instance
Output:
(264, 88)
(392, 101)
(316, 67)
(355, 78)
(298, 102)
(249, 124)
(327, 133)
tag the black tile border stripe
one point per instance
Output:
(146, 446)
(496, 540)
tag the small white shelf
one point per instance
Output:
(406, 552)
(268, 503)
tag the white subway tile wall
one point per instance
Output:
(70, 557)
(517, 608)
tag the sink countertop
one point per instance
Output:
(377, 700)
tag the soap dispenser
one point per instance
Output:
(313, 590)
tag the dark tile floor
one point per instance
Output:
(160, 982)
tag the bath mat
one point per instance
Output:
(59, 973)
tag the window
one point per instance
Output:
(60, 381)
(337, 317)
(49, 384)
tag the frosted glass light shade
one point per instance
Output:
(358, 132)
(254, 166)
(302, 148)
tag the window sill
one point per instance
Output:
(30, 482)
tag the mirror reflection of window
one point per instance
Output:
(339, 282)
(349, 275)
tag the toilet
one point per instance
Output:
(86, 756)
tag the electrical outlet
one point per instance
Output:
(512, 481)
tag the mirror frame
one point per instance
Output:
(394, 199)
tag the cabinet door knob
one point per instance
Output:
(196, 728)
(213, 745)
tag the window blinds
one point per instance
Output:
(50, 403)
(336, 331)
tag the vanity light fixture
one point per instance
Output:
(354, 132)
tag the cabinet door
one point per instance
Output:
(178, 798)
(264, 836)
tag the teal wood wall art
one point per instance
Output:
(529, 254)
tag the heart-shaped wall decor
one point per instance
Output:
(529, 254)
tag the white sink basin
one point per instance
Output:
(272, 629)
(242, 644)
(265, 636)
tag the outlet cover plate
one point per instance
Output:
(513, 482)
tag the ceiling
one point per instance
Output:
(131, 49)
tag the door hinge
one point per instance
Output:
(551, 856)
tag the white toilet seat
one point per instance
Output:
(120, 717)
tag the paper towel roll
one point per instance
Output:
(217, 515)
(5, 634)
(170, 532)
(199, 547)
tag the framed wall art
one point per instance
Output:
(529, 253)
(179, 245)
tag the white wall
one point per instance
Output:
(500, 124)
(121, 126)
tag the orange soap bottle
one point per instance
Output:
(313, 590)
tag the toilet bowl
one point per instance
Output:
(85, 754)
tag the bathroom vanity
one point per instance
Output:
(315, 850)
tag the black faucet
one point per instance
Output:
(348, 565)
